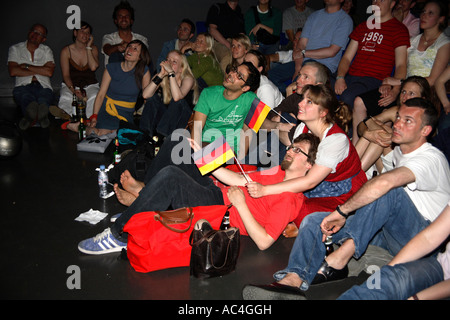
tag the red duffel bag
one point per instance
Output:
(160, 240)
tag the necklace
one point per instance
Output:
(429, 40)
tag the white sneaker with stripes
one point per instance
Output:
(102, 243)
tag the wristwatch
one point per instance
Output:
(303, 53)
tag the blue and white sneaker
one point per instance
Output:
(102, 243)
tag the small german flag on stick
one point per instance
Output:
(213, 155)
(257, 114)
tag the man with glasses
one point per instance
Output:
(263, 219)
(223, 109)
(387, 211)
(32, 64)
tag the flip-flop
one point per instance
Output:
(64, 125)
(58, 112)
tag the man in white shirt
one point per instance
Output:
(390, 209)
(32, 64)
(114, 44)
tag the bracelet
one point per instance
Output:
(338, 209)
(365, 122)
(171, 75)
(340, 77)
(88, 48)
(303, 53)
(157, 80)
(414, 296)
(94, 116)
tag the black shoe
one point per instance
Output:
(327, 273)
(273, 291)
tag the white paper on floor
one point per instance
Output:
(91, 216)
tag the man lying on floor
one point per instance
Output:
(263, 219)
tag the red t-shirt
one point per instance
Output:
(376, 48)
(272, 212)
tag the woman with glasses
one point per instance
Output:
(337, 173)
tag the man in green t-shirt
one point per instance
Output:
(221, 110)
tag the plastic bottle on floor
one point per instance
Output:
(103, 182)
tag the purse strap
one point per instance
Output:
(159, 216)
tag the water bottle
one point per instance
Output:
(103, 182)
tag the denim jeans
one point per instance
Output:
(398, 282)
(24, 95)
(389, 222)
(173, 187)
(281, 75)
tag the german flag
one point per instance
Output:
(257, 114)
(213, 155)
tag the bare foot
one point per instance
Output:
(130, 184)
(73, 126)
(123, 196)
(290, 231)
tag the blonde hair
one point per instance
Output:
(185, 73)
(209, 47)
(243, 40)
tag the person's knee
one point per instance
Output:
(358, 105)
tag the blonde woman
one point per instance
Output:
(203, 62)
(240, 45)
(179, 93)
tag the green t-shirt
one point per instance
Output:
(224, 117)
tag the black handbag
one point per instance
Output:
(214, 252)
(262, 35)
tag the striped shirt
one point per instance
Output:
(376, 48)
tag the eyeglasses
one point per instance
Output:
(296, 150)
(239, 75)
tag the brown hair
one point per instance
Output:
(313, 142)
(337, 112)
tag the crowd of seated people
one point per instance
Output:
(373, 96)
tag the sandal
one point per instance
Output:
(64, 125)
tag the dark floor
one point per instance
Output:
(47, 185)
